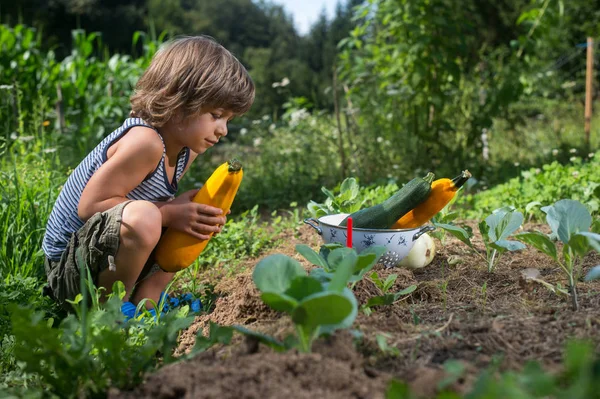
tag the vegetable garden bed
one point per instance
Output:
(460, 320)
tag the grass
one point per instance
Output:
(27, 195)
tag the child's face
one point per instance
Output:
(202, 131)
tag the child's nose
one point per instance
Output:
(222, 130)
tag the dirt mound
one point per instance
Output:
(239, 303)
(333, 370)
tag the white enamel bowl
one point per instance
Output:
(398, 242)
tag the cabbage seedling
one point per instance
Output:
(315, 307)
(330, 256)
(495, 230)
(570, 222)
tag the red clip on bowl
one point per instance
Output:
(349, 231)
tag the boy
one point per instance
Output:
(115, 204)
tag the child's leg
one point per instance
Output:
(152, 286)
(141, 226)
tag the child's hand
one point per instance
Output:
(197, 220)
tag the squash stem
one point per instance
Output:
(461, 179)
(234, 165)
(429, 178)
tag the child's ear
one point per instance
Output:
(178, 115)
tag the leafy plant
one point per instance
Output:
(316, 307)
(350, 198)
(495, 230)
(385, 285)
(85, 356)
(330, 257)
(388, 297)
(579, 379)
(570, 222)
(576, 180)
(347, 201)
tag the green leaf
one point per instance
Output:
(579, 356)
(596, 226)
(539, 241)
(276, 272)
(593, 274)
(530, 206)
(363, 261)
(343, 272)
(328, 193)
(279, 302)
(509, 245)
(579, 244)
(348, 321)
(398, 390)
(322, 308)
(408, 290)
(388, 299)
(326, 250)
(502, 223)
(303, 286)
(593, 239)
(367, 259)
(389, 282)
(321, 275)
(349, 189)
(457, 232)
(454, 369)
(338, 255)
(567, 217)
(310, 255)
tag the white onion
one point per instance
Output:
(421, 254)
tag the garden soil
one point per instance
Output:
(459, 311)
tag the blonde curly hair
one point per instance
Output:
(190, 74)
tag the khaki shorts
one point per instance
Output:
(95, 243)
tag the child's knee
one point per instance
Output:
(142, 221)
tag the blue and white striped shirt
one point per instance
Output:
(64, 220)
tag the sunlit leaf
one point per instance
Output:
(508, 245)
(457, 232)
(279, 302)
(566, 217)
(593, 274)
(303, 286)
(276, 272)
(310, 255)
(322, 308)
(539, 241)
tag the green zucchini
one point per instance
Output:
(385, 214)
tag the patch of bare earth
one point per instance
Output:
(459, 311)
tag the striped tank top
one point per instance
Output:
(64, 220)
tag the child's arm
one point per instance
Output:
(198, 220)
(131, 159)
